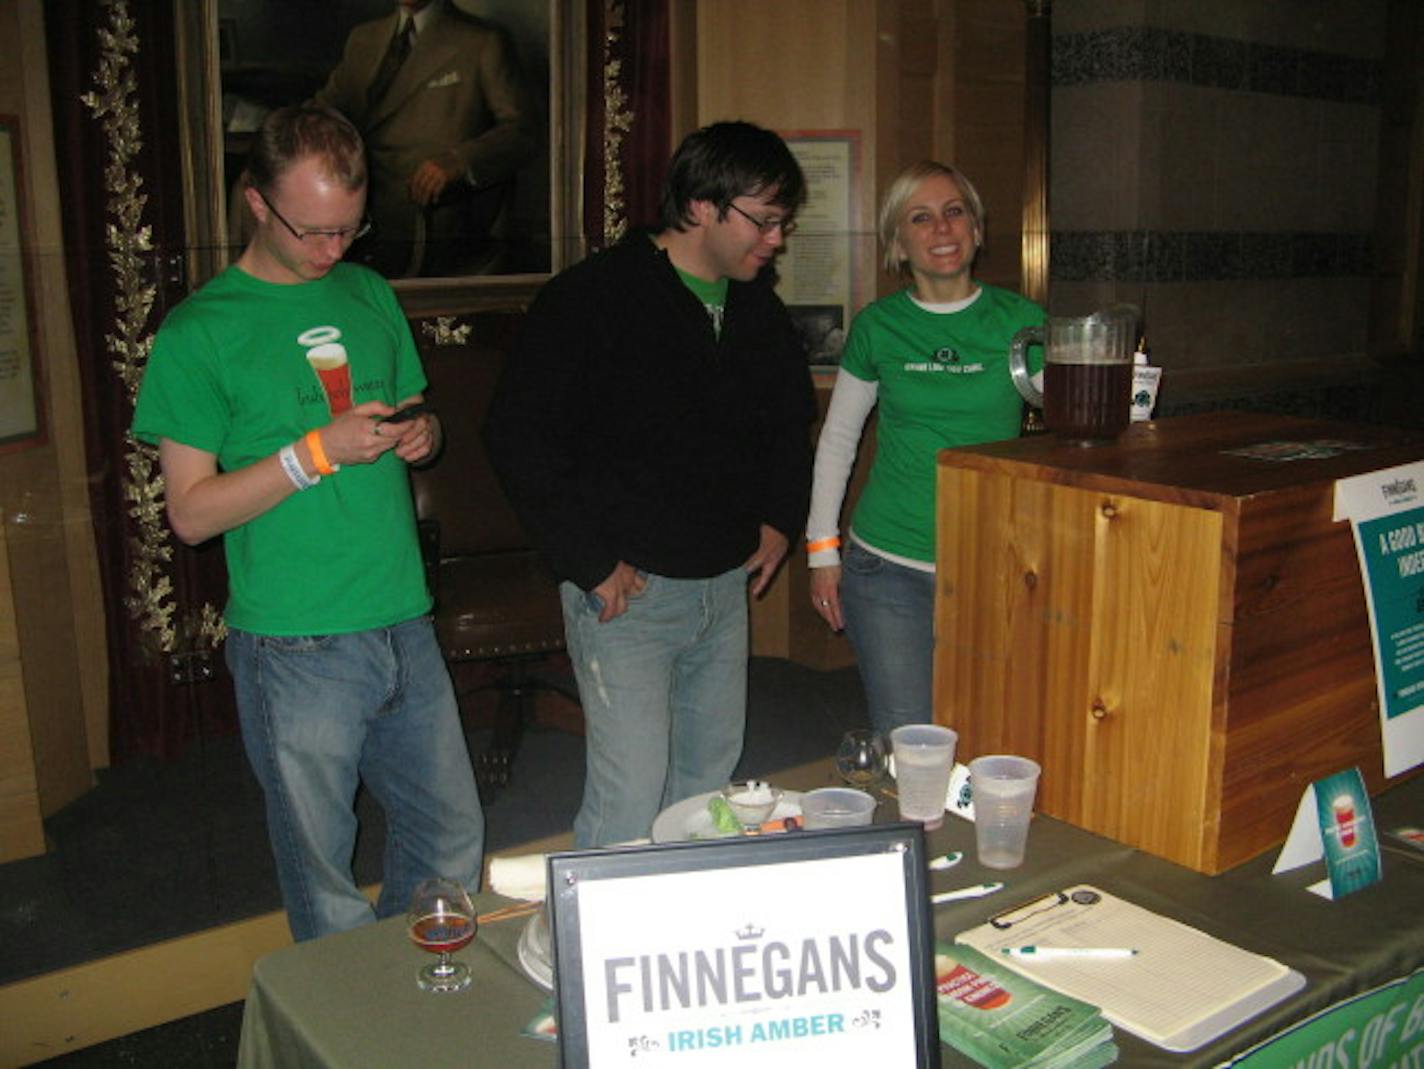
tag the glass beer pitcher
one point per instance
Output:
(1087, 372)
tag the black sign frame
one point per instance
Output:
(568, 871)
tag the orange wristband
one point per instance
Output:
(318, 454)
(823, 543)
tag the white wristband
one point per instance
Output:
(293, 467)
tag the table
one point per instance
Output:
(349, 1001)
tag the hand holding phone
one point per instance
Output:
(405, 415)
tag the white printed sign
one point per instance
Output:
(798, 963)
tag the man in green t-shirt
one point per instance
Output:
(270, 395)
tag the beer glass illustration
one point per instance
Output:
(1344, 809)
(327, 357)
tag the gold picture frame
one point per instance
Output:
(205, 36)
(22, 424)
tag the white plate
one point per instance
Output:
(689, 819)
(535, 951)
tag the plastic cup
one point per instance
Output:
(836, 807)
(924, 758)
(1003, 788)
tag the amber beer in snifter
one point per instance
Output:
(1087, 373)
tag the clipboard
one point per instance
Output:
(1181, 990)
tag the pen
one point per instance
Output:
(946, 861)
(977, 891)
(1051, 953)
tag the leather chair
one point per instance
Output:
(497, 610)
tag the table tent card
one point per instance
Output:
(807, 949)
(1386, 512)
(960, 799)
(1334, 819)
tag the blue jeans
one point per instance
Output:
(889, 615)
(664, 692)
(321, 712)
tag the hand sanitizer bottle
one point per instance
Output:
(1145, 379)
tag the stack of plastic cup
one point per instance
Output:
(1004, 788)
(924, 758)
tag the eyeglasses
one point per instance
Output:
(766, 226)
(342, 233)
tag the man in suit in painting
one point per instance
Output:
(437, 95)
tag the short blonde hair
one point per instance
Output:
(899, 194)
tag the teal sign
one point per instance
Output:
(1393, 551)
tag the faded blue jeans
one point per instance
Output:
(321, 712)
(664, 693)
(889, 616)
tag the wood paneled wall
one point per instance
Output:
(942, 79)
(54, 698)
(916, 78)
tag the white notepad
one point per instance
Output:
(1182, 989)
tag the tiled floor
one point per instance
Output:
(150, 855)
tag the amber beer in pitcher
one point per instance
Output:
(1087, 373)
(1086, 402)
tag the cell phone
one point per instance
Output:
(404, 415)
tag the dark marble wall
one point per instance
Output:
(1217, 163)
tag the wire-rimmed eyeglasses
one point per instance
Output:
(766, 226)
(343, 233)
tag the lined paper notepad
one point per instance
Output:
(1182, 989)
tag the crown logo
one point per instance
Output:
(749, 932)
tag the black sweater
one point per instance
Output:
(624, 429)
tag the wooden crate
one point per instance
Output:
(1177, 634)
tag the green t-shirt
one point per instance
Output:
(713, 296)
(942, 381)
(230, 375)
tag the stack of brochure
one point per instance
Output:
(1000, 1018)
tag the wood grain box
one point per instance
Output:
(1176, 631)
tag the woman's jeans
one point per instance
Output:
(321, 712)
(664, 693)
(889, 615)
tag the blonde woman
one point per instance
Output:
(934, 357)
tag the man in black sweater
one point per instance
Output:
(652, 431)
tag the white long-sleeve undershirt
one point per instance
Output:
(852, 400)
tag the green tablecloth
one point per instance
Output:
(350, 1000)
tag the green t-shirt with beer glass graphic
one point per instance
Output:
(234, 372)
